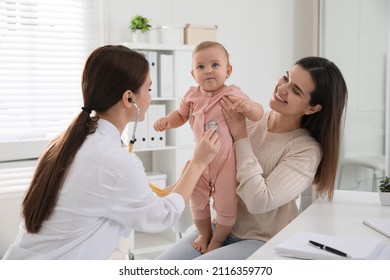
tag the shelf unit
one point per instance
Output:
(170, 158)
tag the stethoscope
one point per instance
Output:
(210, 124)
(154, 188)
(133, 139)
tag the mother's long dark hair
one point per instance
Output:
(325, 126)
(108, 73)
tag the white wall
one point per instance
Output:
(264, 37)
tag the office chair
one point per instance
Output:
(358, 138)
(375, 163)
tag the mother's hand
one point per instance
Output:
(235, 120)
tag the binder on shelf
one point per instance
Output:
(165, 73)
(153, 66)
(126, 136)
(141, 134)
(185, 135)
(156, 138)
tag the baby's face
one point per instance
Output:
(210, 68)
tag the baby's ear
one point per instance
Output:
(229, 71)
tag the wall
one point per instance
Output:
(264, 38)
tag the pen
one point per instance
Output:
(329, 249)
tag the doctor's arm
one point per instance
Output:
(204, 153)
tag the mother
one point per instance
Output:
(295, 145)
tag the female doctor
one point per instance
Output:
(86, 188)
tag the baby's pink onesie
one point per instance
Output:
(219, 179)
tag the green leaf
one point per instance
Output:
(385, 184)
(139, 22)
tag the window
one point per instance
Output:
(43, 47)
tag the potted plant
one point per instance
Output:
(384, 191)
(140, 27)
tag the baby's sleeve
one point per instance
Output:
(184, 106)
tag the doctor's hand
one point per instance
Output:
(204, 153)
(234, 120)
(207, 148)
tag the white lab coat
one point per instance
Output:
(105, 191)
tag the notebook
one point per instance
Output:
(297, 246)
(380, 225)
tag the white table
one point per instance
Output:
(343, 217)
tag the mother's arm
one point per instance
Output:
(292, 175)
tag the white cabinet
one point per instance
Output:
(171, 77)
(172, 80)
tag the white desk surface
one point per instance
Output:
(343, 217)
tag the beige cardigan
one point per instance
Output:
(272, 170)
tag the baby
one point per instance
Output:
(200, 105)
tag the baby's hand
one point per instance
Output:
(242, 104)
(161, 124)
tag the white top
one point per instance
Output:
(105, 191)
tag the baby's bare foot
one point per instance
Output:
(200, 243)
(213, 245)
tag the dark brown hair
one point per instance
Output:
(325, 126)
(108, 73)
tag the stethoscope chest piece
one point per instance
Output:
(210, 124)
